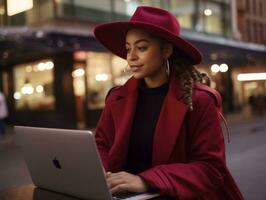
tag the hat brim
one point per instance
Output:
(112, 36)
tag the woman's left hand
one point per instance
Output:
(125, 182)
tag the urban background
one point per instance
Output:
(54, 73)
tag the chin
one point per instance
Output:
(138, 76)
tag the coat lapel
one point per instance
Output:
(167, 129)
(169, 124)
(123, 110)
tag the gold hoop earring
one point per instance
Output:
(167, 68)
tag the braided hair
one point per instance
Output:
(185, 71)
(188, 74)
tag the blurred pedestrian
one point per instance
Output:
(161, 130)
(3, 113)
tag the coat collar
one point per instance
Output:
(167, 129)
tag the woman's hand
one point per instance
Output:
(125, 182)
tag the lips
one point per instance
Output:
(135, 68)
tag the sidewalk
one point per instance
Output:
(242, 117)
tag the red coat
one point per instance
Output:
(188, 160)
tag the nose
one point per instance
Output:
(131, 55)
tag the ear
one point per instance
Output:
(167, 50)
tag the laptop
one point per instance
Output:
(67, 161)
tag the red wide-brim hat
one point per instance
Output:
(154, 20)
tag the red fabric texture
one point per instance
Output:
(188, 149)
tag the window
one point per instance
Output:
(255, 31)
(260, 9)
(124, 8)
(254, 7)
(263, 33)
(184, 10)
(34, 86)
(247, 6)
(98, 78)
(210, 17)
(121, 70)
(248, 30)
(104, 71)
(99, 10)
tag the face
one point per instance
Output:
(145, 56)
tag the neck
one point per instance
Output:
(153, 82)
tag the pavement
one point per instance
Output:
(246, 156)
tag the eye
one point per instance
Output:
(142, 48)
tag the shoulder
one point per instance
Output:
(112, 93)
(119, 92)
(204, 94)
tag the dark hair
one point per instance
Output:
(185, 71)
(188, 74)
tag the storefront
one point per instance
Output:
(67, 89)
(250, 84)
(39, 91)
(226, 61)
(94, 73)
(63, 89)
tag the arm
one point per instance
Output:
(104, 139)
(204, 171)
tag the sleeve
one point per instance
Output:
(104, 138)
(205, 169)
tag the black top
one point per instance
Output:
(140, 147)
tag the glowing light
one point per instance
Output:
(41, 66)
(78, 72)
(101, 77)
(2, 11)
(208, 12)
(17, 95)
(28, 69)
(35, 68)
(27, 89)
(15, 6)
(215, 68)
(39, 88)
(223, 67)
(251, 76)
(80, 55)
(49, 65)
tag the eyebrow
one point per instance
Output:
(140, 40)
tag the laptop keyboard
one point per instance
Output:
(123, 195)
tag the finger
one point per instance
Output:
(112, 182)
(118, 188)
(120, 174)
(108, 174)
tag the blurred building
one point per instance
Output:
(251, 26)
(252, 20)
(55, 74)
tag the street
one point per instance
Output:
(246, 159)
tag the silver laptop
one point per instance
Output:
(66, 161)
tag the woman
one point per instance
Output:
(161, 129)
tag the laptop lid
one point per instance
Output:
(64, 161)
